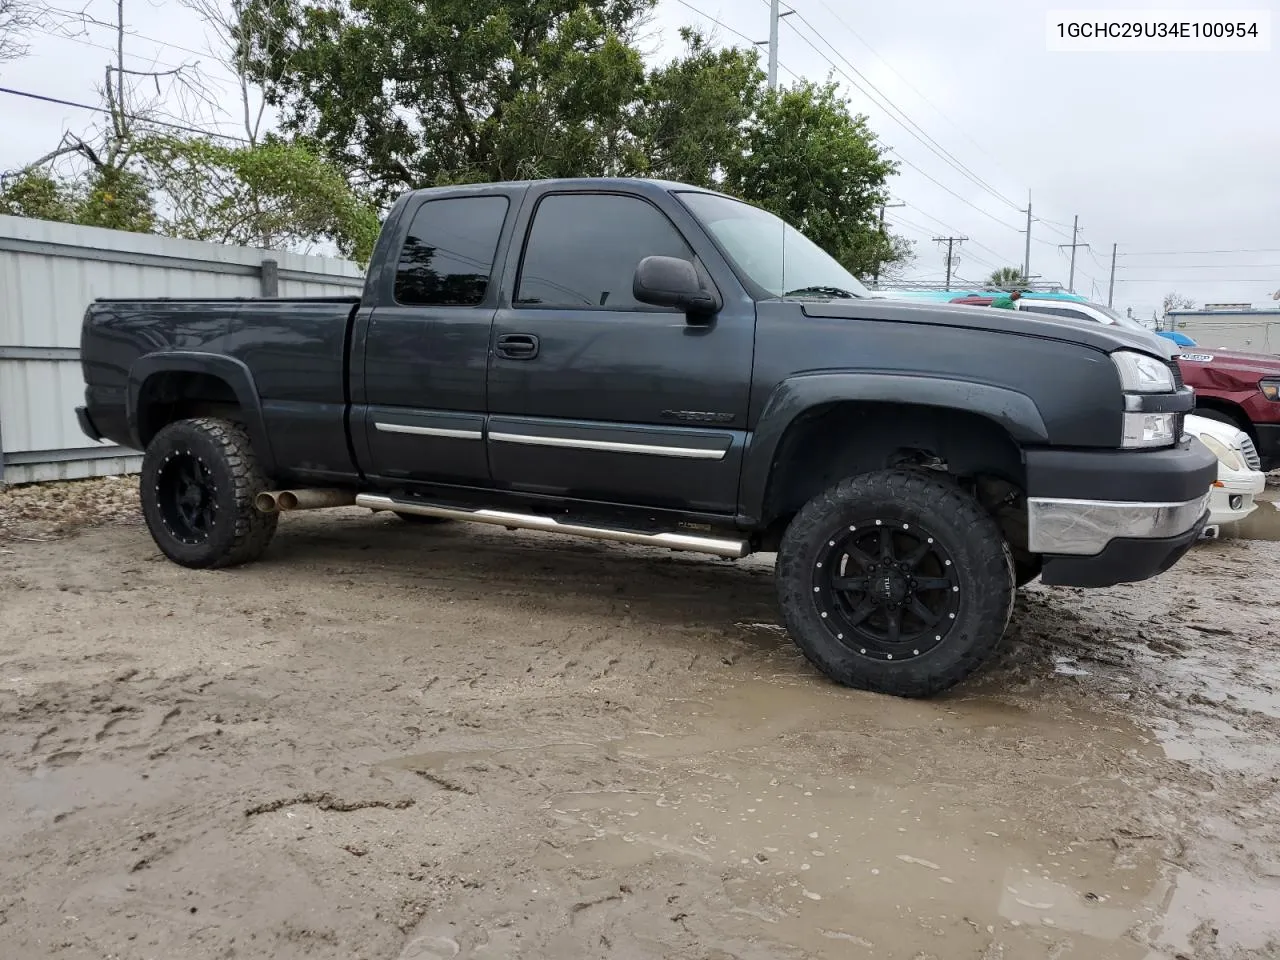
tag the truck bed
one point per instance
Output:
(286, 356)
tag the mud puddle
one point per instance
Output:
(836, 828)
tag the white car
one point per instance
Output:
(1239, 479)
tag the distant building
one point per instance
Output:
(1229, 326)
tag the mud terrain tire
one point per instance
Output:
(199, 480)
(895, 582)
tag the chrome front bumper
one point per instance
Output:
(1085, 527)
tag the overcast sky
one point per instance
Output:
(1160, 153)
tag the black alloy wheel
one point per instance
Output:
(186, 494)
(890, 588)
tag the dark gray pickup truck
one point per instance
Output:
(658, 364)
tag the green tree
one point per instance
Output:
(275, 195)
(40, 195)
(405, 94)
(1007, 278)
(693, 112)
(818, 166)
(101, 197)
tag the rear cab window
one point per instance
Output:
(447, 257)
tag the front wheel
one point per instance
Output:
(199, 480)
(895, 582)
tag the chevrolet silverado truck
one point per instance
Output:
(659, 364)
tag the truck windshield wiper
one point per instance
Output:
(824, 291)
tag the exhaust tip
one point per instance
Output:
(266, 502)
(287, 500)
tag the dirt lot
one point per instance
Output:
(389, 741)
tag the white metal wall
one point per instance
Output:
(50, 272)
(1256, 334)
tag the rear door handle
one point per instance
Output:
(518, 346)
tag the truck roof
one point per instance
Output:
(642, 185)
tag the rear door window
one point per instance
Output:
(447, 258)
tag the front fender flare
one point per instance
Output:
(1016, 412)
(228, 369)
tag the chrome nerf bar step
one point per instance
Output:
(717, 546)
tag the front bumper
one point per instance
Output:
(1098, 518)
(1232, 498)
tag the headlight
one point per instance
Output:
(1148, 429)
(1270, 389)
(1226, 456)
(1140, 373)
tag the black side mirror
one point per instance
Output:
(672, 282)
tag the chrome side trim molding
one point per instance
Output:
(1085, 527)
(429, 431)
(612, 446)
(716, 546)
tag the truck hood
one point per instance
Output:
(1096, 335)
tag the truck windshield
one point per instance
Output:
(771, 253)
(1120, 319)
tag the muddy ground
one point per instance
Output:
(390, 741)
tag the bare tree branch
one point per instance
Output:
(235, 44)
(17, 19)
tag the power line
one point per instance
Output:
(916, 90)
(737, 33)
(1052, 224)
(903, 159)
(79, 15)
(946, 226)
(913, 128)
(1180, 253)
(129, 116)
(1182, 280)
(898, 221)
(1199, 266)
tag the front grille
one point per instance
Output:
(1177, 374)
(1250, 453)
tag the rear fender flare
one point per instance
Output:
(1016, 412)
(231, 371)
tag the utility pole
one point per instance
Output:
(1075, 230)
(1111, 288)
(951, 258)
(875, 279)
(774, 17)
(773, 44)
(1026, 255)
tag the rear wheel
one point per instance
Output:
(895, 582)
(199, 480)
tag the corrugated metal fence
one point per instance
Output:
(50, 272)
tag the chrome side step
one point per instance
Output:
(717, 546)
